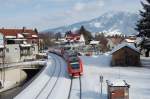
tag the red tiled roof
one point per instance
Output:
(72, 35)
(14, 32)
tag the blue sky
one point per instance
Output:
(45, 14)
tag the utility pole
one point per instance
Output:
(3, 61)
(101, 81)
(3, 66)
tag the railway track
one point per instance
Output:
(51, 83)
(55, 81)
(75, 91)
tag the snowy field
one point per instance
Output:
(94, 66)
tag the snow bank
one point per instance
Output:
(137, 78)
(101, 60)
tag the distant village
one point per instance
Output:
(85, 43)
(18, 45)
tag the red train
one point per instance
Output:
(75, 66)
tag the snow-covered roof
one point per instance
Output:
(10, 36)
(117, 82)
(118, 47)
(130, 41)
(25, 45)
(25, 33)
(57, 42)
(1, 46)
(24, 42)
(112, 32)
(34, 36)
(20, 35)
(94, 42)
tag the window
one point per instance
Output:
(75, 65)
(25, 51)
(33, 48)
(10, 42)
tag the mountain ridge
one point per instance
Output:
(122, 22)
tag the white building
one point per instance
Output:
(75, 38)
(20, 44)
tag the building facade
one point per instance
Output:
(20, 44)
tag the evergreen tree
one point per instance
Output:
(143, 26)
(87, 35)
(58, 36)
(36, 31)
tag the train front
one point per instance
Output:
(75, 67)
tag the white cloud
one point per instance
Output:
(13, 3)
(88, 6)
(100, 3)
(85, 10)
(45, 14)
(79, 6)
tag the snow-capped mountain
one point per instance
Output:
(121, 22)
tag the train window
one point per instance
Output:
(75, 65)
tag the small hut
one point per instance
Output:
(118, 89)
(125, 55)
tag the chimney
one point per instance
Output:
(23, 29)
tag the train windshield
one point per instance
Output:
(75, 65)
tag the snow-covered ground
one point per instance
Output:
(37, 62)
(94, 66)
(41, 87)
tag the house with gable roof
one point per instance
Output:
(125, 55)
(75, 38)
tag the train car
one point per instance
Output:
(75, 66)
(55, 51)
(68, 54)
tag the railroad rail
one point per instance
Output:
(51, 81)
(55, 81)
(79, 90)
